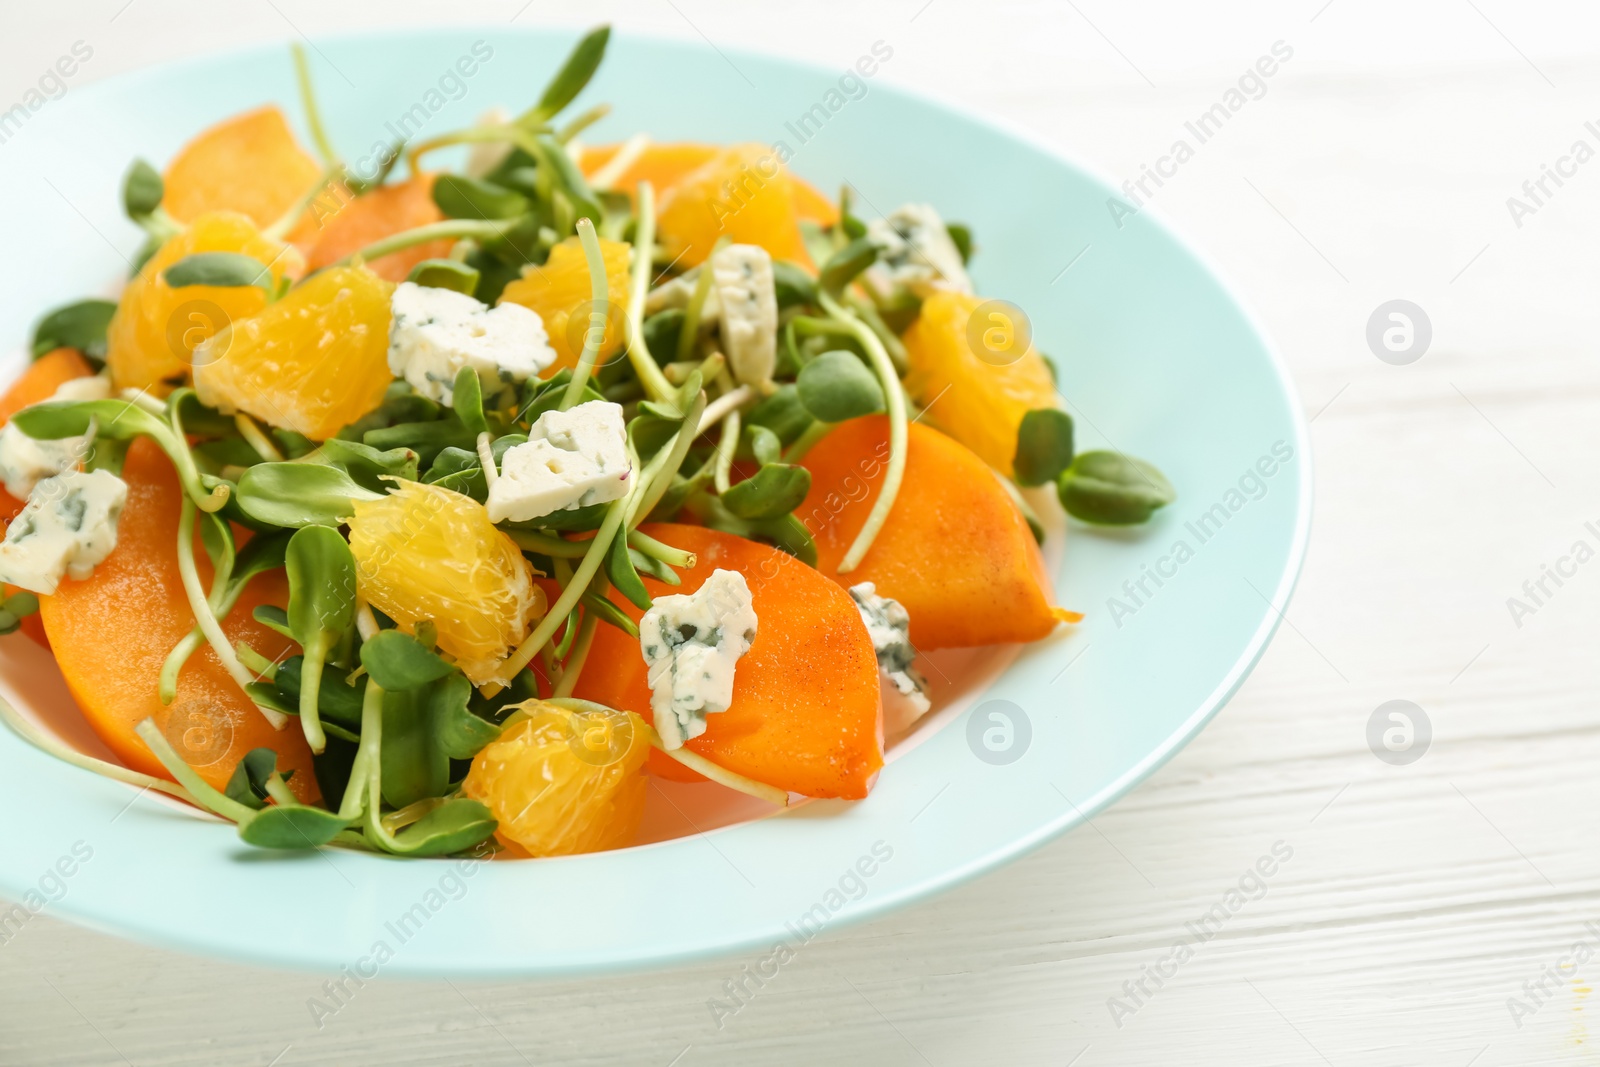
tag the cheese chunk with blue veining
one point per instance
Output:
(69, 525)
(433, 333)
(571, 459)
(24, 461)
(916, 252)
(691, 644)
(889, 625)
(747, 299)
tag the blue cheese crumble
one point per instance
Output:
(691, 645)
(747, 301)
(889, 627)
(917, 253)
(69, 525)
(571, 459)
(433, 333)
(24, 461)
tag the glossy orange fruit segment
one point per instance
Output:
(152, 336)
(561, 294)
(426, 553)
(250, 163)
(112, 632)
(956, 551)
(665, 165)
(313, 362)
(561, 783)
(972, 373)
(341, 225)
(743, 192)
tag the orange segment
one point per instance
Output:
(112, 632)
(555, 796)
(979, 390)
(250, 163)
(743, 192)
(955, 549)
(426, 553)
(152, 336)
(341, 228)
(665, 165)
(313, 362)
(560, 290)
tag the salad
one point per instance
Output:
(432, 511)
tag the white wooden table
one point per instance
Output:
(1419, 899)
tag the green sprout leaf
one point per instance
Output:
(322, 607)
(290, 826)
(81, 325)
(783, 413)
(622, 573)
(452, 827)
(399, 662)
(466, 398)
(248, 785)
(1044, 446)
(837, 386)
(773, 491)
(570, 80)
(1110, 489)
(15, 608)
(445, 274)
(764, 445)
(294, 494)
(221, 269)
(961, 236)
(794, 286)
(142, 190)
(662, 330)
(844, 265)
(461, 197)
(337, 700)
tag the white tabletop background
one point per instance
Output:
(1419, 899)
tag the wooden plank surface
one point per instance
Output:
(1408, 905)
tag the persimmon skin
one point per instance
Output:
(956, 551)
(112, 632)
(250, 163)
(806, 713)
(338, 226)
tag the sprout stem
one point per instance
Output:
(201, 791)
(721, 775)
(67, 754)
(580, 654)
(201, 606)
(672, 557)
(256, 439)
(308, 99)
(617, 165)
(895, 396)
(547, 544)
(433, 231)
(644, 364)
(599, 307)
